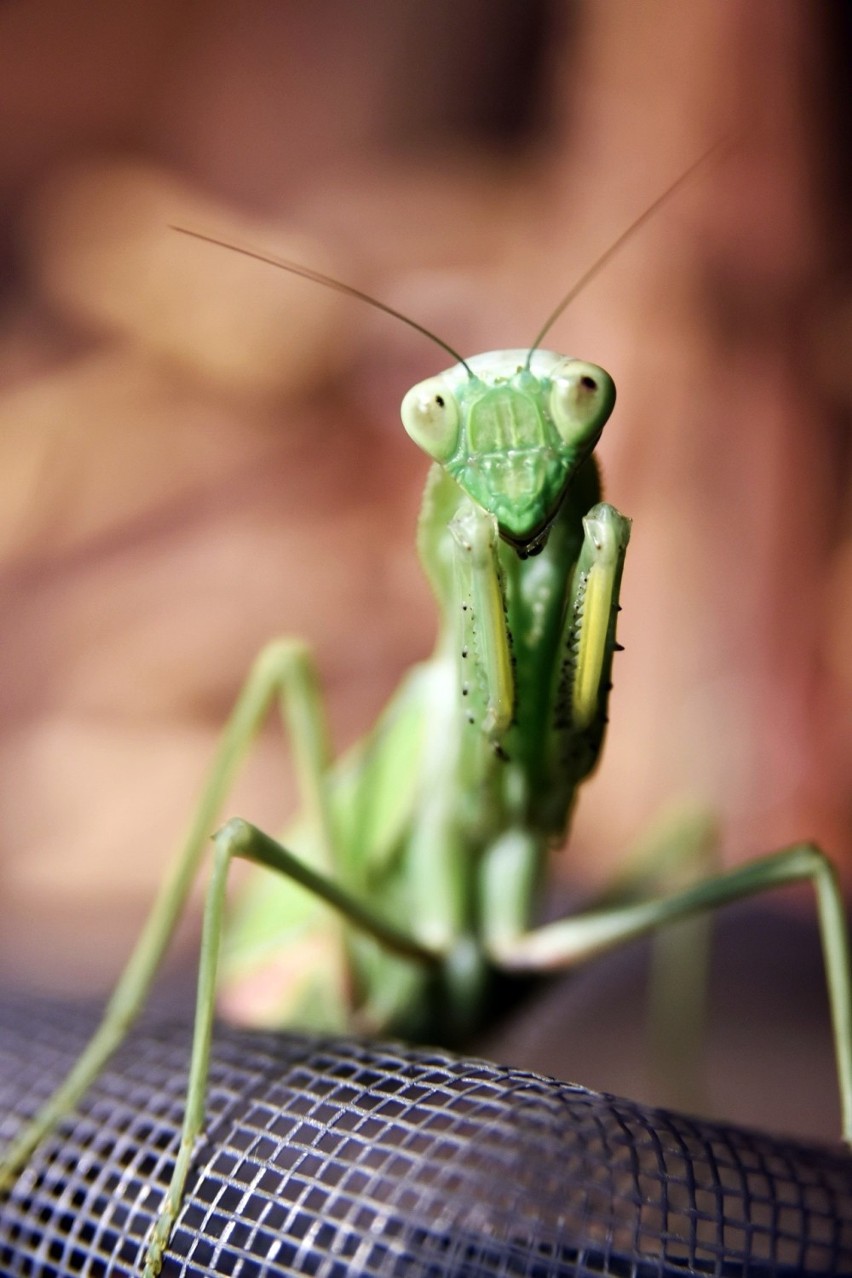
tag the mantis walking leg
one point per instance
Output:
(239, 839)
(569, 941)
(284, 669)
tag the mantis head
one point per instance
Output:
(512, 428)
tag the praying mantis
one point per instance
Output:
(406, 889)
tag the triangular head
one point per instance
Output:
(512, 428)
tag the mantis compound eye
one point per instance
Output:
(581, 399)
(430, 414)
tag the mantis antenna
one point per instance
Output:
(307, 273)
(610, 252)
(317, 277)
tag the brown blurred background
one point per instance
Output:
(198, 452)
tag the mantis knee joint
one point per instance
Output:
(280, 654)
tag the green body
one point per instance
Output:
(406, 889)
(444, 814)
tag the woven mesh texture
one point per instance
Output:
(336, 1158)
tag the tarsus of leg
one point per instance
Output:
(284, 667)
(573, 940)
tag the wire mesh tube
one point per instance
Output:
(336, 1157)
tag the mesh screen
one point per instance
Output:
(333, 1158)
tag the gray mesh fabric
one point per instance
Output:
(340, 1158)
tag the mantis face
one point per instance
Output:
(512, 435)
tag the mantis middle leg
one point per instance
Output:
(241, 840)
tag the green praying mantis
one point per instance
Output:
(406, 889)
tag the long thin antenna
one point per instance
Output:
(306, 273)
(598, 265)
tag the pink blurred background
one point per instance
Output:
(198, 452)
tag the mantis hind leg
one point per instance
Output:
(570, 941)
(285, 671)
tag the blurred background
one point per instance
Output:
(198, 452)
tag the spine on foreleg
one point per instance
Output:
(589, 641)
